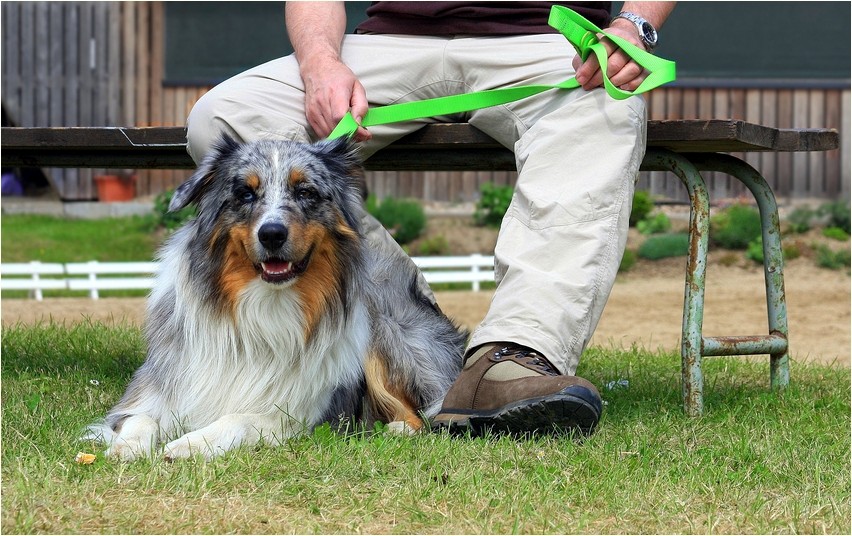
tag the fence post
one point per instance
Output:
(93, 279)
(37, 294)
(475, 268)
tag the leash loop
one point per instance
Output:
(583, 36)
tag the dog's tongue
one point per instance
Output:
(277, 267)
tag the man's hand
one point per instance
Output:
(623, 72)
(332, 90)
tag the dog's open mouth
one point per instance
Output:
(274, 270)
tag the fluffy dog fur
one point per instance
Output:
(271, 314)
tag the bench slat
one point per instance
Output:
(439, 146)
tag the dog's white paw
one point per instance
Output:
(191, 444)
(137, 438)
(127, 451)
(400, 428)
(213, 440)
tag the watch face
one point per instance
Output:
(649, 32)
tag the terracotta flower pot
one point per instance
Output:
(112, 188)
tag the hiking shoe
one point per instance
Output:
(507, 388)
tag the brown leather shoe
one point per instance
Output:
(507, 388)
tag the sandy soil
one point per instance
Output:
(645, 308)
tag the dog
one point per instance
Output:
(271, 313)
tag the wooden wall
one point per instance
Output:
(102, 63)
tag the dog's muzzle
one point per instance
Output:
(277, 268)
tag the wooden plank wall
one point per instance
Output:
(102, 64)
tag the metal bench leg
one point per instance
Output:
(776, 344)
(696, 269)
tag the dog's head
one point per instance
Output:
(274, 210)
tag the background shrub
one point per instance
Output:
(643, 204)
(837, 215)
(171, 220)
(628, 260)
(664, 245)
(654, 225)
(801, 219)
(833, 260)
(835, 233)
(755, 250)
(437, 245)
(492, 205)
(735, 227)
(404, 219)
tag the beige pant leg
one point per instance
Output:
(560, 244)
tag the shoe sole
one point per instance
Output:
(560, 414)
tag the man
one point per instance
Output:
(578, 154)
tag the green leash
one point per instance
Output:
(582, 35)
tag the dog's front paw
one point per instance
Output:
(401, 428)
(213, 440)
(191, 444)
(137, 439)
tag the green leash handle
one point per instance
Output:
(583, 36)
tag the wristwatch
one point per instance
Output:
(646, 30)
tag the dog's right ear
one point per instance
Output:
(191, 190)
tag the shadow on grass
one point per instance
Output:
(636, 384)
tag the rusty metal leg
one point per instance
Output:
(696, 270)
(776, 344)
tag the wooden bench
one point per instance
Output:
(685, 148)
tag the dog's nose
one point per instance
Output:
(272, 235)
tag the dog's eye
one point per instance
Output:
(245, 194)
(306, 193)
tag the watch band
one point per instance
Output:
(647, 32)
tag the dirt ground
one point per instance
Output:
(645, 308)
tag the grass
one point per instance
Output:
(51, 239)
(756, 462)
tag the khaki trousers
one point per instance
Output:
(578, 155)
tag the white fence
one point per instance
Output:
(95, 276)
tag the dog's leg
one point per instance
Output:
(228, 433)
(136, 438)
(389, 401)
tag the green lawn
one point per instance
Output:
(756, 462)
(50, 239)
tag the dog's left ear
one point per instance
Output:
(191, 190)
(340, 155)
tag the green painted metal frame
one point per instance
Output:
(695, 346)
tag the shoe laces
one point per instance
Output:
(529, 358)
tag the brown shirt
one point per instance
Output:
(472, 18)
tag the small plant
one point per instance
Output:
(791, 251)
(728, 259)
(492, 205)
(755, 250)
(654, 225)
(628, 260)
(835, 233)
(643, 204)
(404, 219)
(735, 227)
(171, 220)
(837, 215)
(833, 260)
(801, 219)
(664, 245)
(437, 245)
